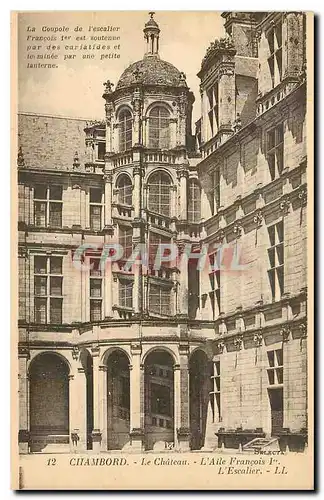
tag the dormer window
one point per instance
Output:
(125, 125)
(159, 133)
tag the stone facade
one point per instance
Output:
(174, 357)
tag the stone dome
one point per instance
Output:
(152, 71)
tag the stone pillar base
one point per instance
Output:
(23, 440)
(136, 440)
(96, 440)
(183, 439)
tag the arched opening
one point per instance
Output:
(87, 365)
(199, 388)
(49, 384)
(118, 400)
(194, 201)
(159, 132)
(125, 125)
(159, 193)
(158, 400)
(124, 187)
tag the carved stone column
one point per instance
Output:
(183, 432)
(78, 406)
(108, 199)
(23, 391)
(96, 433)
(136, 401)
(183, 179)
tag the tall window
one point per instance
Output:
(194, 203)
(159, 300)
(48, 294)
(275, 150)
(155, 242)
(159, 134)
(95, 290)
(215, 393)
(126, 294)
(95, 209)
(276, 259)
(126, 240)
(159, 194)
(214, 279)
(275, 370)
(101, 150)
(124, 186)
(212, 95)
(125, 130)
(216, 188)
(274, 37)
(48, 206)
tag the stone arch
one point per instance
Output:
(154, 104)
(167, 349)
(40, 353)
(110, 351)
(123, 107)
(158, 364)
(117, 410)
(87, 366)
(124, 187)
(49, 375)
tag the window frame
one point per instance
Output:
(95, 278)
(159, 193)
(159, 136)
(275, 150)
(276, 258)
(95, 205)
(194, 201)
(48, 298)
(125, 130)
(48, 204)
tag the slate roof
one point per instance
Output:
(154, 71)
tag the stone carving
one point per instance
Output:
(285, 333)
(258, 218)
(20, 158)
(238, 342)
(258, 339)
(108, 86)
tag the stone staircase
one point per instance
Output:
(258, 444)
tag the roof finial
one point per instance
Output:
(151, 14)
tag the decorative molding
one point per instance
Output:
(302, 195)
(238, 229)
(303, 330)
(20, 158)
(285, 333)
(23, 352)
(238, 342)
(220, 346)
(75, 352)
(258, 339)
(285, 205)
(258, 218)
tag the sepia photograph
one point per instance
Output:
(164, 281)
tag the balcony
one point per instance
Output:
(168, 157)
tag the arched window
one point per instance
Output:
(159, 134)
(159, 198)
(194, 203)
(125, 130)
(124, 186)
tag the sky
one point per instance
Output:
(75, 88)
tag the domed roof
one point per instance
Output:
(152, 71)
